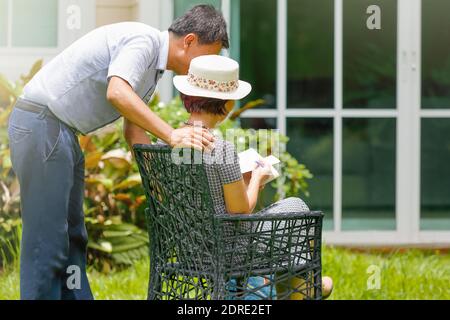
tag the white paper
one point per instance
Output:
(249, 158)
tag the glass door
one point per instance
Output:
(343, 79)
(435, 117)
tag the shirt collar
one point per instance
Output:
(164, 50)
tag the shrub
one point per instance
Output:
(114, 198)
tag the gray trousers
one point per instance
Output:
(49, 164)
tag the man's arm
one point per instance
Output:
(134, 134)
(137, 114)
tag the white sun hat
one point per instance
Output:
(215, 77)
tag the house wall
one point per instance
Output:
(112, 11)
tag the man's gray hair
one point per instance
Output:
(204, 21)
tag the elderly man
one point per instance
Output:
(109, 73)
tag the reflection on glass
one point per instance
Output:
(435, 178)
(312, 144)
(182, 6)
(310, 54)
(369, 55)
(369, 174)
(268, 194)
(435, 54)
(259, 123)
(3, 22)
(258, 48)
(35, 23)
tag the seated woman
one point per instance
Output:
(208, 93)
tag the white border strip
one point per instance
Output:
(226, 11)
(338, 102)
(380, 238)
(10, 25)
(415, 110)
(435, 113)
(321, 113)
(404, 178)
(282, 64)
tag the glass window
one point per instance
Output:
(310, 69)
(369, 55)
(3, 22)
(435, 177)
(35, 23)
(311, 142)
(258, 47)
(369, 174)
(181, 6)
(435, 54)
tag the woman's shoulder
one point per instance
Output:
(224, 147)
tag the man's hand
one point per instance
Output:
(121, 95)
(192, 137)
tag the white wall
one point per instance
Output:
(158, 14)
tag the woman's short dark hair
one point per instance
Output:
(204, 21)
(204, 105)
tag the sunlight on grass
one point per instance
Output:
(404, 276)
(410, 275)
(129, 284)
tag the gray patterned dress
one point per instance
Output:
(222, 168)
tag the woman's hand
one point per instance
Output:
(262, 172)
(248, 178)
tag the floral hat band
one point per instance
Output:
(213, 85)
(213, 76)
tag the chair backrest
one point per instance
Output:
(181, 220)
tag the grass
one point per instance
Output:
(408, 275)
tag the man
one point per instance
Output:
(109, 73)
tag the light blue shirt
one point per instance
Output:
(74, 84)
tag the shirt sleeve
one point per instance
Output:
(229, 169)
(132, 62)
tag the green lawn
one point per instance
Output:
(410, 275)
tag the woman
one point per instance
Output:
(208, 92)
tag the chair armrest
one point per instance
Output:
(270, 241)
(270, 216)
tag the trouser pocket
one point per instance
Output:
(53, 132)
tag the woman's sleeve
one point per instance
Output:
(229, 169)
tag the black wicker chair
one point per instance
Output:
(198, 255)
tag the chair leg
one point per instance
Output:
(219, 287)
(317, 293)
(154, 285)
